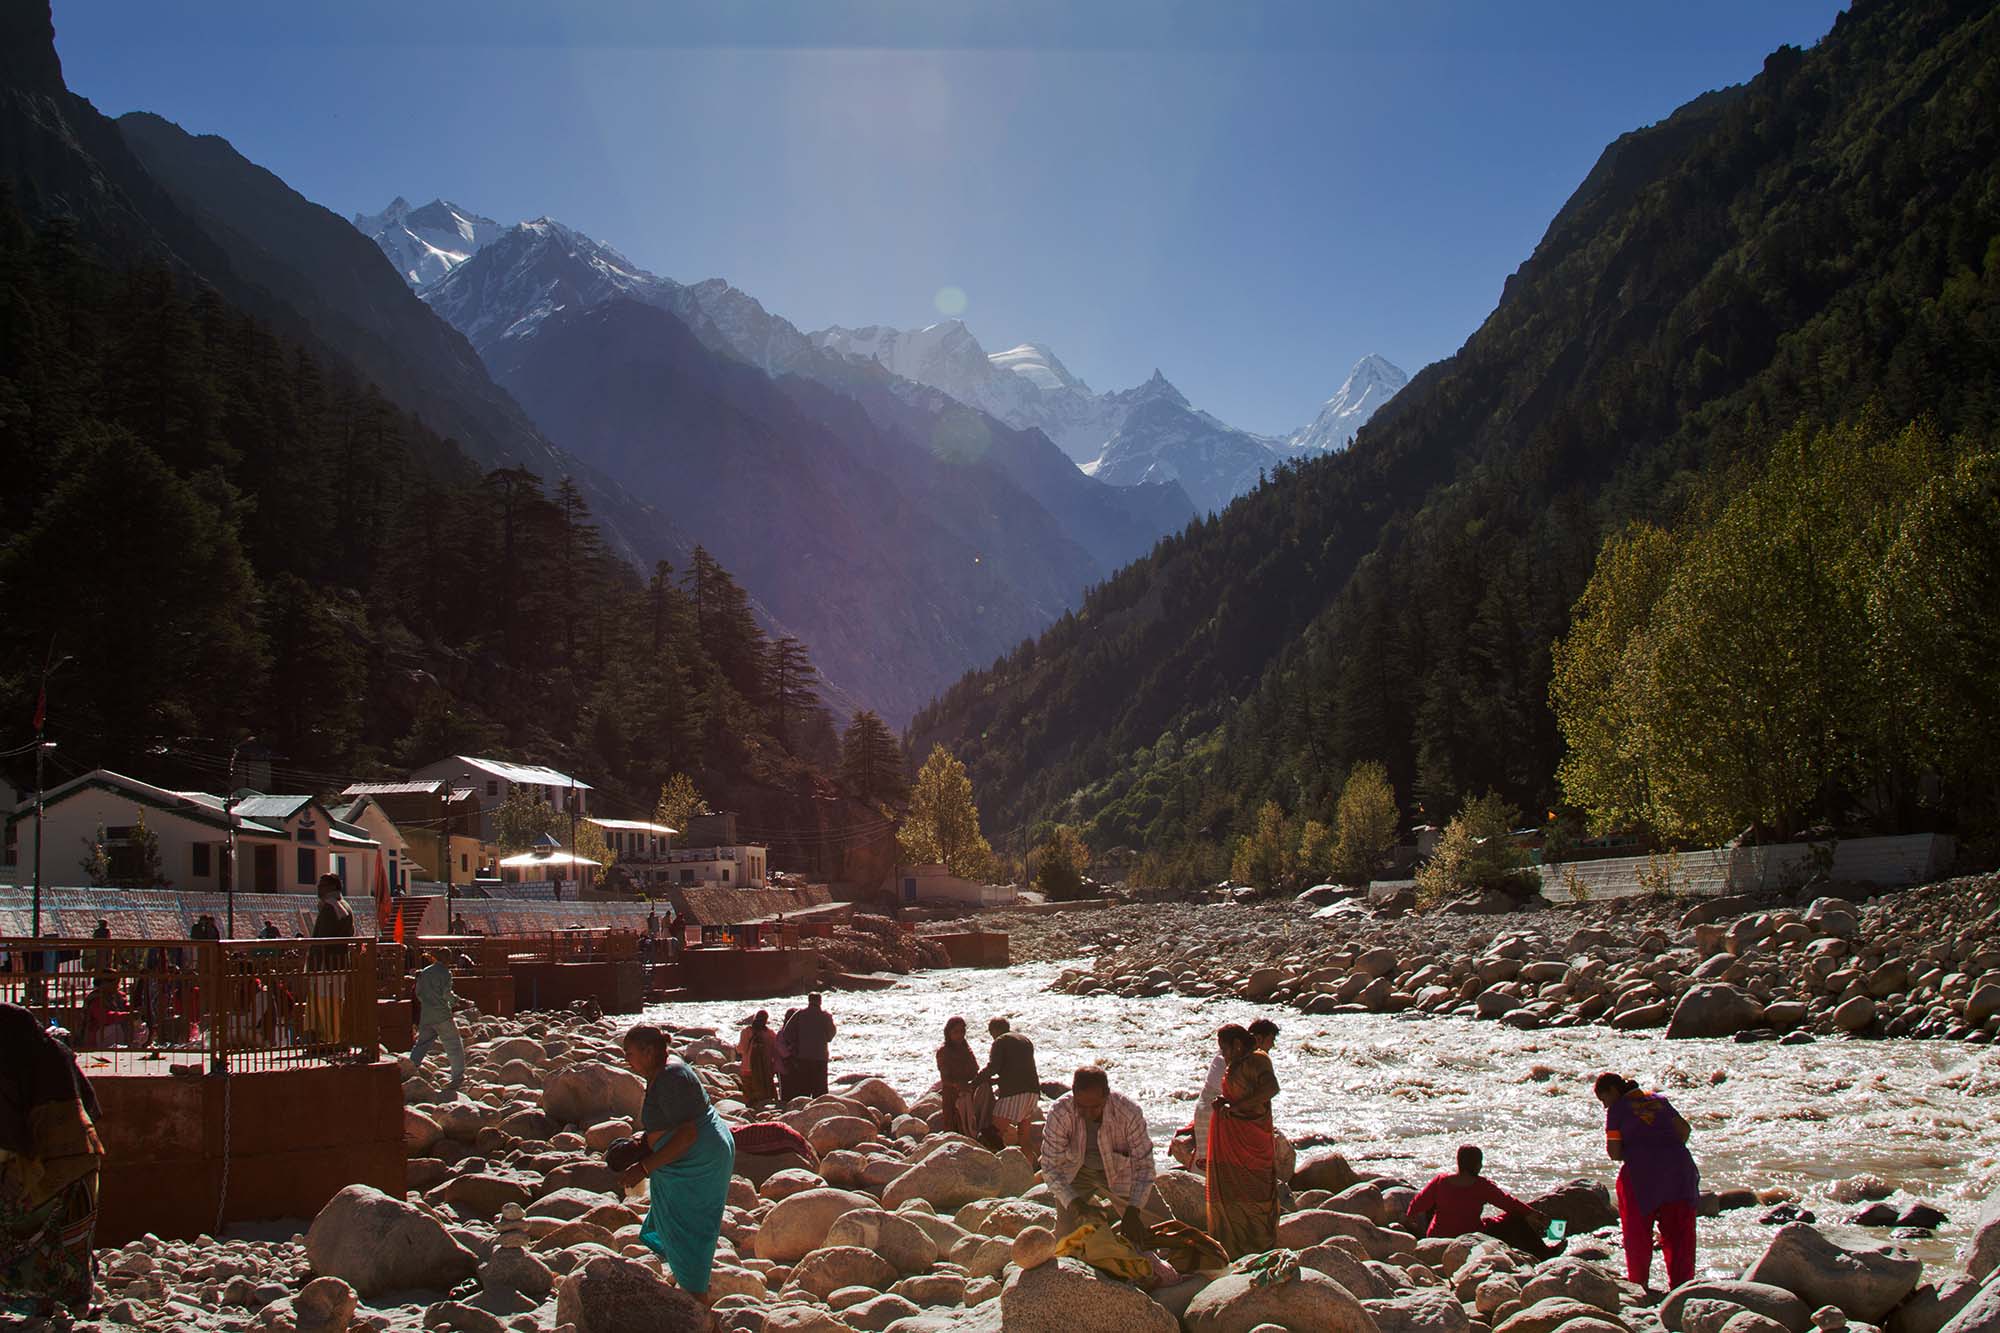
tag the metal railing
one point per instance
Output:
(199, 1006)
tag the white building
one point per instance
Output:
(364, 815)
(936, 884)
(283, 843)
(494, 780)
(740, 866)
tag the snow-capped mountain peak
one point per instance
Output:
(428, 242)
(1373, 382)
(1038, 365)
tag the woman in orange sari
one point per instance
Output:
(1242, 1151)
(758, 1058)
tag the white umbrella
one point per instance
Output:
(548, 859)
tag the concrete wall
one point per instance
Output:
(1891, 862)
(293, 1139)
(136, 914)
(620, 987)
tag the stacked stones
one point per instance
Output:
(1921, 963)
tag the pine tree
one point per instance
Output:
(871, 760)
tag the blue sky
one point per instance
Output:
(1248, 197)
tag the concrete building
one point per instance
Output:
(738, 866)
(399, 860)
(936, 884)
(641, 848)
(283, 843)
(492, 781)
(437, 823)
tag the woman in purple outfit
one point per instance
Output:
(1658, 1182)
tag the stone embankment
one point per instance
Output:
(1919, 963)
(513, 1222)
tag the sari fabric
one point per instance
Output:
(688, 1194)
(49, 1160)
(1242, 1160)
(757, 1051)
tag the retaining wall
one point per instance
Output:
(1891, 862)
(294, 1138)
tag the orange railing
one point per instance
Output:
(158, 1006)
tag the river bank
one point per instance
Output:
(1923, 962)
(514, 1223)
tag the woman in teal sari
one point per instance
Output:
(689, 1159)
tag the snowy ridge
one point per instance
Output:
(1373, 382)
(426, 243)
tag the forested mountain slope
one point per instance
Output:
(1823, 238)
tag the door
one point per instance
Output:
(910, 890)
(265, 876)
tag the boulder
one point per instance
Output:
(1324, 1171)
(1426, 1310)
(797, 1225)
(587, 1093)
(420, 1132)
(1982, 1260)
(1033, 1247)
(1298, 1230)
(1234, 1303)
(1865, 1279)
(1980, 1315)
(1573, 1279)
(907, 1246)
(840, 1131)
(1065, 1294)
(379, 1244)
(950, 1177)
(1749, 1321)
(1585, 1204)
(1184, 1194)
(613, 1295)
(477, 1194)
(829, 1268)
(1714, 1009)
(1343, 1266)
(879, 1096)
(324, 1305)
(1772, 1302)
(514, 1269)
(1931, 1306)
(1545, 1316)
(878, 1312)
(1854, 1014)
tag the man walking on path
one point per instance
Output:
(810, 1031)
(1017, 1091)
(435, 1022)
(1096, 1146)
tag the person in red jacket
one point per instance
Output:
(1455, 1203)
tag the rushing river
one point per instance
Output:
(1397, 1094)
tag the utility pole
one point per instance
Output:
(50, 665)
(229, 824)
(575, 869)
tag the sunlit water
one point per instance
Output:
(1397, 1094)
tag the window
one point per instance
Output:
(492, 787)
(687, 876)
(725, 874)
(308, 832)
(201, 869)
(464, 862)
(308, 865)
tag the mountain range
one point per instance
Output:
(1807, 248)
(1147, 435)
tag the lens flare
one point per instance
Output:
(951, 301)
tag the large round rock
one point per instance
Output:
(613, 1295)
(1772, 1302)
(1066, 1294)
(1865, 1279)
(587, 1093)
(1236, 1304)
(892, 1235)
(379, 1244)
(1715, 1009)
(797, 1225)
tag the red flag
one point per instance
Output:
(41, 708)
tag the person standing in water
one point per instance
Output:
(690, 1156)
(1658, 1182)
(757, 1060)
(811, 1032)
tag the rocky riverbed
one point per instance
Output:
(1920, 963)
(512, 1221)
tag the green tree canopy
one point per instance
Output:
(1365, 822)
(942, 825)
